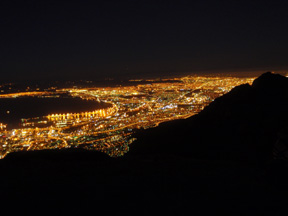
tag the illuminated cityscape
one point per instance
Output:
(110, 130)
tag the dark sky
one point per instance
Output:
(81, 39)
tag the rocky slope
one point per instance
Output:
(218, 162)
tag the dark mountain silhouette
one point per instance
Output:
(241, 125)
(228, 159)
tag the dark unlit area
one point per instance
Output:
(225, 160)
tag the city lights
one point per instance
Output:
(110, 130)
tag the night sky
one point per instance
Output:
(91, 40)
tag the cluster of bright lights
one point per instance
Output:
(111, 130)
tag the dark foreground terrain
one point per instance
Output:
(229, 159)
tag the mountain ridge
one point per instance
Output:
(227, 166)
(246, 117)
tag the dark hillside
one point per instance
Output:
(242, 125)
(220, 161)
